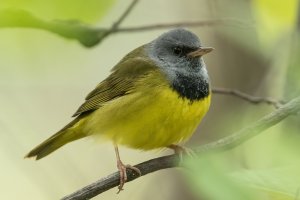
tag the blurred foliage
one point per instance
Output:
(209, 181)
(274, 18)
(214, 178)
(279, 183)
(71, 29)
(84, 10)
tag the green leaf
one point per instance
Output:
(209, 181)
(274, 18)
(83, 10)
(281, 183)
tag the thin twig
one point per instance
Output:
(91, 36)
(208, 22)
(164, 162)
(247, 97)
(124, 15)
(115, 27)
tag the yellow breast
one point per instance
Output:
(149, 119)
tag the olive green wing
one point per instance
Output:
(121, 82)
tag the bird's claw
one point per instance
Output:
(123, 174)
(183, 151)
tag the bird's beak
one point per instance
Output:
(200, 52)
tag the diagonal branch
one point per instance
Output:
(115, 27)
(165, 162)
(125, 14)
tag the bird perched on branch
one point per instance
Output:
(155, 97)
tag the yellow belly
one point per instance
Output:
(147, 120)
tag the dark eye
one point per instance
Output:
(177, 51)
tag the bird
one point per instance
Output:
(154, 98)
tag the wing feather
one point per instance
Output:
(121, 82)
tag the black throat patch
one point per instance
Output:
(191, 87)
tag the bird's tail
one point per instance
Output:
(68, 134)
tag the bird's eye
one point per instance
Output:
(177, 51)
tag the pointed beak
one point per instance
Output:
(200, 52)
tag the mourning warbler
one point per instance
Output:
(155, 97)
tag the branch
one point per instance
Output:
(209, 22)
(247, 97)
(115, 27)
(91, 36)
(165, 162)
(125, 14)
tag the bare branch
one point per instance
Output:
(90, 36)
(112, 180)
(208, 22)
(164, 162)
(247, 97)
(114, 28)
(125, 14)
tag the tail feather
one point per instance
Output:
(62, 137)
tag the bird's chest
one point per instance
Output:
(166, 119)
(153, 118)
(181, 115)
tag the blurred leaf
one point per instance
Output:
(66, 28)
(209, 181)
(281, 183)
(84, 10)
(274, 18)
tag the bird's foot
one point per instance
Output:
(123, 173)
(183, 151)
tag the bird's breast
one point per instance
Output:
(153, 115)
(149, 118)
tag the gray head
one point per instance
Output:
(178, 53)
(178, 48)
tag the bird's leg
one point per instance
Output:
(180, 151)
(122, 169)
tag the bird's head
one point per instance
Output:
(178, 49)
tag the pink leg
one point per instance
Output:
(122, 169)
